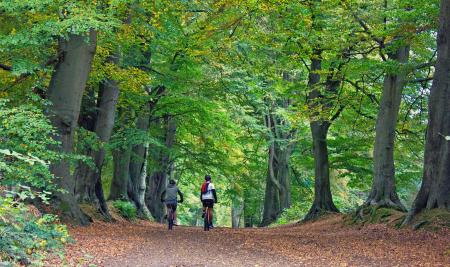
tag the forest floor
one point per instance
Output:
(327, 242)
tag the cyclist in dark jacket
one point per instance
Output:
(170, 197)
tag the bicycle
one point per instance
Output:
(170, 217)
(206, 220)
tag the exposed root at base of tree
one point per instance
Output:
(375, 215)
(96, 215)
(433, 220)
(390, 203)
(317, 212)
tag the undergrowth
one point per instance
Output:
(126, 209)
(26, 238)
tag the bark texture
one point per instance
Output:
(323, 200)
(277, 194)
(138, 170)
(237, 209)
(121, 176)
(89, 187)
(383, 192)
(158, 180)
(65, 92)
(137, 185)
(435, 189)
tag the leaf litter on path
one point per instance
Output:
(326, 242)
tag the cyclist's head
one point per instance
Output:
(207, 178)
(172, 182)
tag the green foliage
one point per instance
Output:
(126, 209)
(26, 238)
(293, 214)
(24, 147)
(224, 65)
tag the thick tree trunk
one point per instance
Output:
(139, 181)
(383, 192)
(435, 189)
(142, 209)
(283, 176)
(158, 180)
(65, 92)
(89, 187)
(138, 158)
(119, 185)
(323, 200)
(277, 195)
(156, 185)
(272, 207)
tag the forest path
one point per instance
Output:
(323, 243)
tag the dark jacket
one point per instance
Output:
(170, 194)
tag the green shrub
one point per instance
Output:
(24, 147)
(126, 209)
(294, 214)
(25, 238)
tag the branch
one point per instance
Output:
(306, 65)
(367, 30)
(357, 87)
(5, 67)
(145, 68)
(23, 76)
(338, 112)
(359, 112)
(425, 65)
(421, 80)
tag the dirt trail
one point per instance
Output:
(323, 243)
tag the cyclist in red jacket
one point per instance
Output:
(208, 197)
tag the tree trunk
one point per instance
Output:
(138, 158)
(119, 185)
(277, 194)
(237, 209)
(323, 200)
(156, 185)
(89, 187)
(142, 209)
(283, 176)
(272, 207)
(435, 189)
(383, 192)
(158, 180)
(65, 92)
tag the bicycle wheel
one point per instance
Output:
(170, 219)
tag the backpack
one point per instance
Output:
(204, 187)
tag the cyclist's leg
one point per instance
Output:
(203, 208)
(210, 215)
(210, 211)
(174, 214)
(166, 216)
